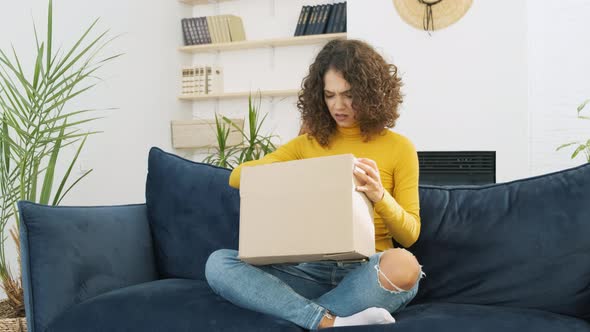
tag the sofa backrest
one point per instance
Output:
(192, 212)
(521, 244)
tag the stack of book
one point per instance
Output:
(315, 20)
(212, 29)
(202, 80)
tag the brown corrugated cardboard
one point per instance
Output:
(302, 211)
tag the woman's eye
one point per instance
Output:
(328, 96)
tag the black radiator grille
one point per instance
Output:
(457, 167)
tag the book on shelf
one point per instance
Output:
(203, 30)
(222, 28)
(188, 80)
(214, 78)
(331, 19)
(202, 80)
(212, 29)
(320, 19)
(310, 29)
(185, 34)
(326, 9)
(343, 19)
(302, 21)
(236, 28)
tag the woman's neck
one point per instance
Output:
(353, 131)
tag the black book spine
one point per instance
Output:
(333, 17)
(299, 26)
(200, 36)
(330, 18)
(310, 30)
(324, 21)
(318, 26)
(345, 20)
(339, 26)
(306, 17)
(205, 29)
(193, 30)
(318, 21)
(184, 31)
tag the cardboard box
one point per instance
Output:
(303, 211)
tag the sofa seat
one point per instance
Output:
(164, 305)
(190, 305)
(449, 317)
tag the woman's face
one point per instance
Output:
(339, 99)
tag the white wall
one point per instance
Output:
(142, 84)
(466, 85)
(559, 80)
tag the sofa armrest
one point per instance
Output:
(71, 254)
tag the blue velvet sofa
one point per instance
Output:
(505, 257)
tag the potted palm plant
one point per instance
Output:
(581, 146)
(35, 127)
(255, 144)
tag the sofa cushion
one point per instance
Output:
(164, 305)
(520, 244)
(192, 212)
(71, 254)
(447, 317)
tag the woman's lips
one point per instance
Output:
(340, 117)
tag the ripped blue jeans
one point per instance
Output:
(301, 293)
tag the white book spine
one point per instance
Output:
(216, 80)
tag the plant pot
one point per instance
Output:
(13, 324)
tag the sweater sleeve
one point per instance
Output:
(401, 211)
(287, 152)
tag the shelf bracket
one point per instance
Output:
(272, 58)
(272, 8)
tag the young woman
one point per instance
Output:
(349, 100)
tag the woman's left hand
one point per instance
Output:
(370, 180)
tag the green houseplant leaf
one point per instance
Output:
(581, 146)
(36, 127)
(255, 145)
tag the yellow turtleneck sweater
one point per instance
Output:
(397, 214)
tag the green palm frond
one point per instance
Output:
(581, 146)
(36, 127)
(254, 144)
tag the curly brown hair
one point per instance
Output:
(375, 89)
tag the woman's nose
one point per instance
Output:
(338, 102)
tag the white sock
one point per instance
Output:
(366, 317)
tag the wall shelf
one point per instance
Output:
(249, 44)
(201, 2)
(229, 95)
